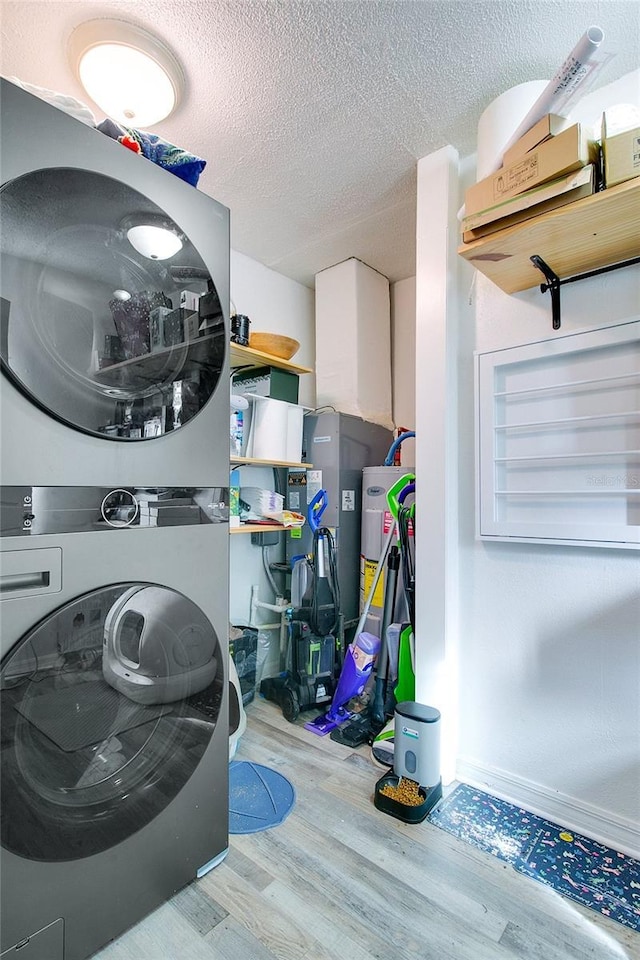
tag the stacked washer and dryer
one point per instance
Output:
(114, 534)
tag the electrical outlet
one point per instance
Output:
(266, 538)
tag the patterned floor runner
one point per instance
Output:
(575, 866)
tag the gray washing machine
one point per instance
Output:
(113, 311)
(113, 533)
(113, 694)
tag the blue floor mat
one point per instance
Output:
(586, 871)
(486, 822)
(259, 797)
(576, 867)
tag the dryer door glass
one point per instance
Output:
(107, 708)
(110, 321)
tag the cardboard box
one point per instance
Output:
(267, 382)
(156, 327)
(188, 300)
(531, 203)
(180, 325)
(621, 157)
(569, 151)
(550, 126)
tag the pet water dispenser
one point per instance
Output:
(415, 786)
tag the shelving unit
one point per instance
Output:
(247, 358)
(250, 462)
(257, 528)
(588, 234)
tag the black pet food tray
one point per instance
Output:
(401, 811)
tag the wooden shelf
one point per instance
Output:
(581, 236)
(248, 357)
(250, 462)
(149, 368)
(258, 528)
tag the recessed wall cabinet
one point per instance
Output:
(558, 440)
(587, 235)
(248, 358)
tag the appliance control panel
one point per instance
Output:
(34, 511)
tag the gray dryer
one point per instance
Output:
(114, 350)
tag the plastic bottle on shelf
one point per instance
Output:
(236, 424)
(237, 432)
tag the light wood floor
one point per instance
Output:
(339, 880)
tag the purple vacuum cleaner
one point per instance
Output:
(358, 664)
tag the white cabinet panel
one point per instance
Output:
(558, 439)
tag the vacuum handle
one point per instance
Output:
(316, 508)
(395, 492)
(408, 490)
(321, 559)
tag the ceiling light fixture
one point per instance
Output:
(126, 71)
(153, 242)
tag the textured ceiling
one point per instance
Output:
(311, 115)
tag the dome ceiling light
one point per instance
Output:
(129, 74)
(153, 237)
(155, 243)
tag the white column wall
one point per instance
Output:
(436, 447)
(403, 352)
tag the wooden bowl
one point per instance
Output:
(274, 344)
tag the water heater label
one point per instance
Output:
(349, 500)
(368, 570)
(314, 484)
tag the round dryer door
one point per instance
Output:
(111, 321)
(108, 706)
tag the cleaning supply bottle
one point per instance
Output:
(238, 432)
(236, 425)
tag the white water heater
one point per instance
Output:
(375, 525)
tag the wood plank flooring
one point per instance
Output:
(339, 880)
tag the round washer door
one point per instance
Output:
(108, 706)
(110, 319)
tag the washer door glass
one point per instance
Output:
(107, 707)
(110, 319)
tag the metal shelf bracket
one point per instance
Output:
(552, 285)
(554, 282)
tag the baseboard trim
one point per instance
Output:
(616, 832)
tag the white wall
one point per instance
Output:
(549, 647)
(276, 304)
(544, 640)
